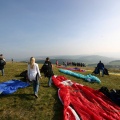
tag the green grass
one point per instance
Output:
(22, 105)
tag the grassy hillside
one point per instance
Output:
(22, 105)
(116, 62)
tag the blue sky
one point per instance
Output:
(59, 27)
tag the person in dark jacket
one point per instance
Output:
(100, 67)
(47, 70)
(2, 63)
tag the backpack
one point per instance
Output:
(106, 71)
(105, 91)
(115, 96)
(96, 71)
(47, 69)
(24, 74)
(2, 62)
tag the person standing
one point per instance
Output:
(12, 60)
(47, 70)
(34, 75)
(56, 63)
(2, 63)
(100, 67)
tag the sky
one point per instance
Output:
(59, 27)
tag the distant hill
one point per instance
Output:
(91, 59)
(115, 62)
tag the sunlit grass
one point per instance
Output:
(22, 105)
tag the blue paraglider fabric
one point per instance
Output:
(12, 86)
(88, 78)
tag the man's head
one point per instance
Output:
(47, 59)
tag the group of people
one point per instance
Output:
(34, 73)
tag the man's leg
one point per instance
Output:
(102, 72)
(49, 81)
(99, 71)
(2, 72)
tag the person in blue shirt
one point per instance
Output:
(100, 67)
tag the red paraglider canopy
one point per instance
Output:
(82, 102)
